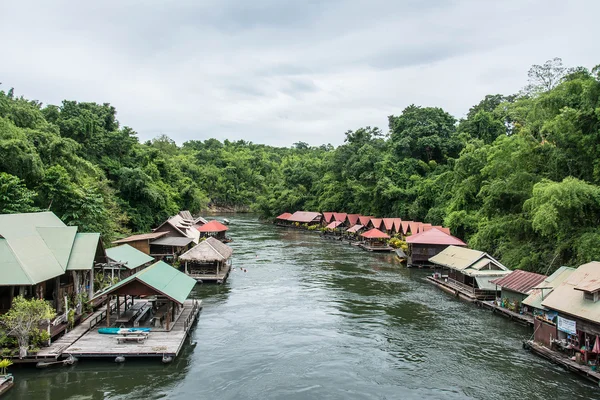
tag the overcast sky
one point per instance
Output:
(277, 71)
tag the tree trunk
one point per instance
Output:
(77, 290)
(23, 342)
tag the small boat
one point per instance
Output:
(226, 221)
(118, 331)
(401, 255)
(6, 382)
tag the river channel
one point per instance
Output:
(315, 319)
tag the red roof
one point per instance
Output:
(434, 236)
(426, 227)
(352, 219)
(355, 228)
(376, 222)
(328, 216)
(388, 223)
(397, 225)
(334, 224)
(364, 220)
(304, 216)
(414, 227)
(520, 281)
(405, 225)
(441, 228)
(375, 234)
(213, 226)
(284, 216)
(340, 216)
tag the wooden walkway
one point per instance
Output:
(452, 289)
(158, 343)
(562, 360)
(521, 318)
(218, 278)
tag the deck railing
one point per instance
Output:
(102, 315)
(190, 318)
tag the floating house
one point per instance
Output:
(42, 257)
(283, 219)
(327, 218)
(422, 246)
(340, 217)
(214, 229)
(363, 220)
(306, 217)
(125, 260)
(375, 240)
(543, 290)
(168, 248)
(517, 286)
(208, 261)
(469, 272)
(388, 225)
(351, 220)
(178, 226)
(375, 223)
(142, 241)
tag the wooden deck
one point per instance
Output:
(160, 343)
(216, 278)
(367, 247)
(524, 319)
(452, 289)
(562, 360)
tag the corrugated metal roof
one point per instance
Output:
(30, 255)
(340, 216)
(435, 236)
(328, 216)
(185, 214)
(131, 257)
(163, 279)
(397, 225)
(425, 227)
(375, 234)
(364, 220)
(176, 241)
(547, 286)
(405, 226)
(200, 221)
(83, 252)
(305, 217)
(355, 228)
(484, 282)
(468, 261)
(352, 219)
(213, 226)
(388, 223)
(376, 222)
(520, 281)
(566, 299)
(334, 224)
(284, 216)
(207, 251)
(590, 286)
(142, 236)
(414, 227)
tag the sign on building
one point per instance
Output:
(566, 325)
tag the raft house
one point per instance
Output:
(307, 218)
(428, 243)
(216, 230)
(282, 219)
(208, 261)
(125, 260)
(568, 332)
(466, 273)
(375, 240)
(150, 317)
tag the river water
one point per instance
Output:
(315, 319)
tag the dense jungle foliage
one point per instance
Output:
(518, 177)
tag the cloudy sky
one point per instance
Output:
(282, 71)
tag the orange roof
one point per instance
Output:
(284, 216)
(414, 227)
(405, 225)
(434, 236)
(352, 219)
(388, 223)
(375, 234)
(213, 226)
(376, 222)
(364, 220)
(334, 224)
(397, 224)
(355, 228)
(328, 216)
(340, 216)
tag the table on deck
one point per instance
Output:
(128, 315)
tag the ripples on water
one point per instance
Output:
(315, 319)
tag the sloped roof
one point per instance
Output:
(520, 281)
(468, 261)
(376, 222)
(334, 224)
(414, 227)
(547, 286)
(441, 228)
(83, 252)
(142, 236)
(339, 216)
(200, 221)
(397, 225)
(185, 226)
(425, 227)
(364, 220)
(388, 223)
(565, 298)
(131, 257)
(375, 234)
(213, 226)
(34, 247)
(352, 219)
(405, 226)
(207, 251)
(305, 216)
(434, 236)
(284, 216)
(328, 216)
(162, 279)
(176, 241)
(185, 214)
(355, 228)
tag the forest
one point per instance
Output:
(517, 177)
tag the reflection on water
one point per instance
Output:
(312, 318)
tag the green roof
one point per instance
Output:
(36, 247)
(536, 297)
(163, 279)
(83, 252)
(130, 256)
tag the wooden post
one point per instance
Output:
(218, 264)
(108, 311)
(118, 306)
(91, 292)
(185, 268)
(168, 317)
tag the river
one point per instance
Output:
(315, 319)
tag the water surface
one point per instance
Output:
(315, 319)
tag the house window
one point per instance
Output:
(591, 296)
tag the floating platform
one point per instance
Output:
(220, 278)
(558, 358)
(160, 343)
(452, 289)
(524, 319)
(385, 249)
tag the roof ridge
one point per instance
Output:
(212, 247)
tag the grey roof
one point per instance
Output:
(173, 241)
(547, 286)
(468, 261)
(131, 257)
(209, 250)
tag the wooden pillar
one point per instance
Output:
(91, 289)
(118, 306)
(218, 264)
(168, 316)
(186, 268)
(108, 311)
